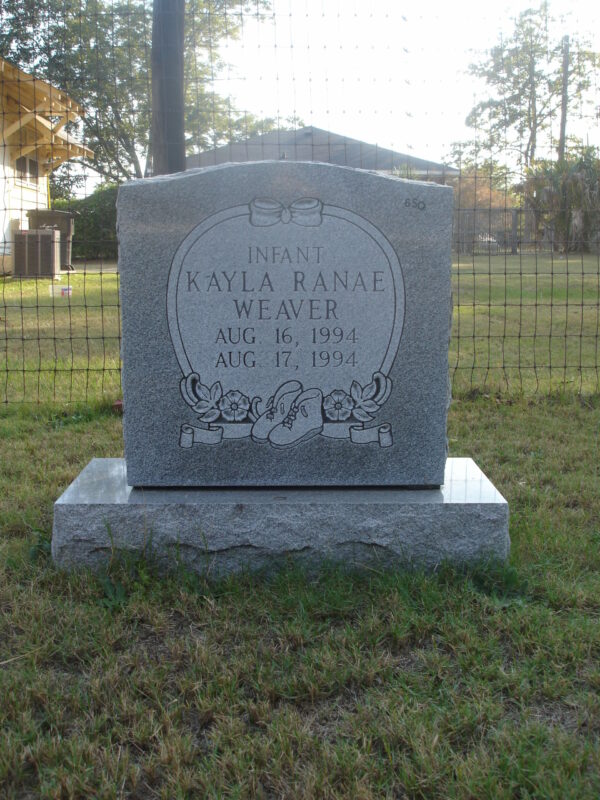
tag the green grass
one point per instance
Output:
(526, 323)
(382, 685)
(55, 348)
(521, 323)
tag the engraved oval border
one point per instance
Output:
(244, 210)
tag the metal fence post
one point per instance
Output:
(168, 141)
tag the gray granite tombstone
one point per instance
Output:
(285, 377)
(285, 324)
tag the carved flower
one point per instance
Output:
(234, 406)
(338, 405)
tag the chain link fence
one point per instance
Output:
(326, 81)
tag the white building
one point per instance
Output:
(33, 115)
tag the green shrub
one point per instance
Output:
(95, 223)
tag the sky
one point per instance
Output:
(386, 71)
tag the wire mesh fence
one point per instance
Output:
(314, 80)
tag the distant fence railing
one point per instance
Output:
(523, 322)
(96, 93)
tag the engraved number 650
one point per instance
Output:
(414, 202)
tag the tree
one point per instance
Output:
(525, 74)
(96, 222)
(565, 199)
(98, 51)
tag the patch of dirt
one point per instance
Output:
(324, 717)
(554, 713)
(551, 713)
(409, 660)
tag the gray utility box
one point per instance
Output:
(37, 253)
(63, 221)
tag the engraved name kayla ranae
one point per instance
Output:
(311, 296)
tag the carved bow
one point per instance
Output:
(306, 211)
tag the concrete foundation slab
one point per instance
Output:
(217, 531)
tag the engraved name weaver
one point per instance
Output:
(292, 413)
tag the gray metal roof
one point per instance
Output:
(315, 144)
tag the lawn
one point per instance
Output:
(60, 348)
(526, 323)
(483, 684)
(521, 324)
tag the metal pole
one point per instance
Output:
(168, 140)
(564, 99)
(514, 233)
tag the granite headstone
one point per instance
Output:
(285, 333)
(285, 324)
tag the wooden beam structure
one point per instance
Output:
(33, 115)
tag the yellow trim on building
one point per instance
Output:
(34, 114)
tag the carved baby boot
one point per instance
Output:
(277, 410)
(303, 421)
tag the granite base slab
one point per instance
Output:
(217, 531)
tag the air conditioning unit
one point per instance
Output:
(37, 254)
